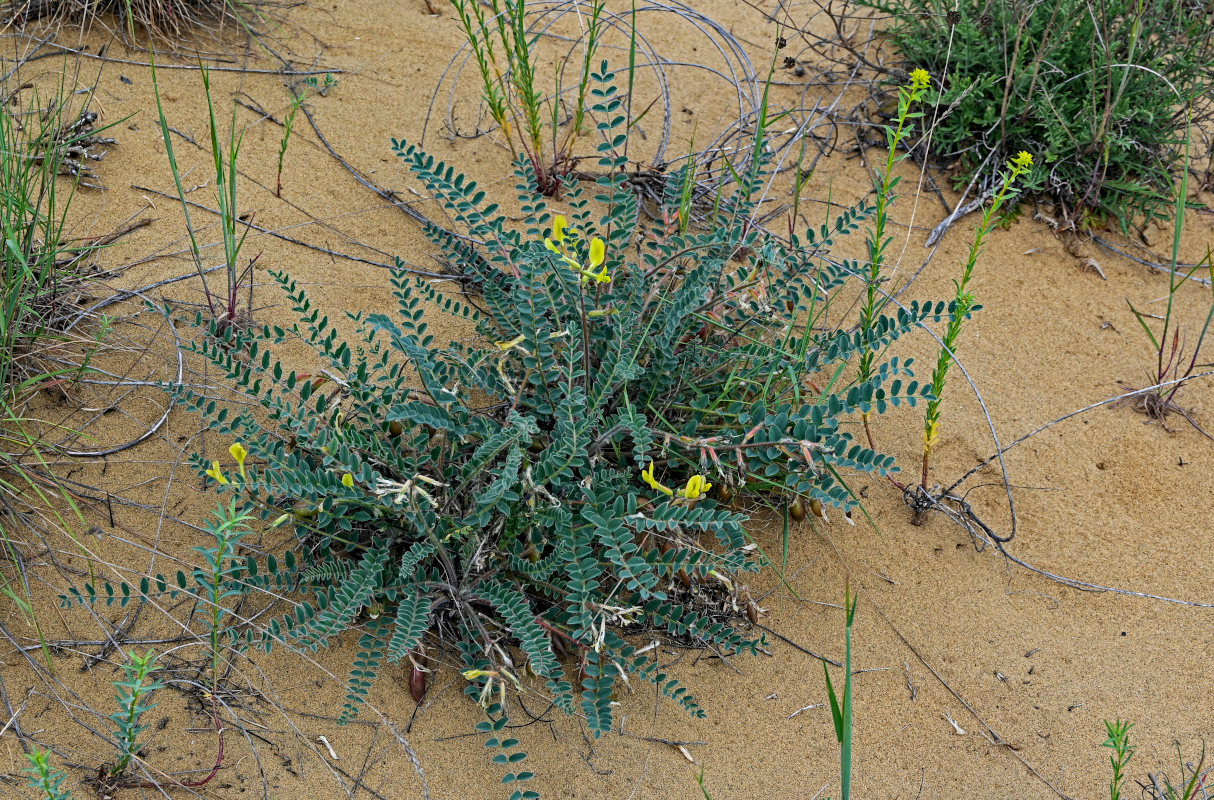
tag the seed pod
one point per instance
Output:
(417, 684)
(684, 579)
(796, 509)
(395, 429)
(558, 647)
(815, 507)
(752, 613)
(536, 446)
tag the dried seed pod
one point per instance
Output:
(752, 613)
(815, 507)
(796, 509)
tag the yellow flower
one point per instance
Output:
(647, 476)
(920, 79)
(280, 521)
(696, 487)
(597, 277)
(558, 229)
(473, 674)
(239, 453)
(347, 480)
(511, 343)
(598, 254)
(1023, 160)
(216, 473)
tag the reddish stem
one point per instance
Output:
(214, 770)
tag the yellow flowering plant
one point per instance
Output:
(563, 475)
(964, 304)
(564, 241)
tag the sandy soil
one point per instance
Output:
(1027, 668)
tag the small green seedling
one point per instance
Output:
(1123, 751)
(132, 696)
(312, 83)
(46, 779)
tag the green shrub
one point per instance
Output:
(1098, 90)
(558, 484)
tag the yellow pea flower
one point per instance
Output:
(558, 228)
(597, 277)
(697, 487)
(239, 453)
(598, 254)
(510, 343)
(347, 480)
(647, 476)
(216, 473)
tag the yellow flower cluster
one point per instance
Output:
(239, 454)
(564, 237)
(920, 79)
(697, 485)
